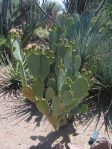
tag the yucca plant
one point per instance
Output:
(97, 58)
(103, 83)
(86, 32)
(11, 82)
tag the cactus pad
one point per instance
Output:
(80, 88)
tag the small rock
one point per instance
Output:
(101, 143)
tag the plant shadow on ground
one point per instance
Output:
(20, 108)
(100, 109)
(46, 142)
(26, 111)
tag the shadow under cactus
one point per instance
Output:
(47, 141)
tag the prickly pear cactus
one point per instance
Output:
(55, 92)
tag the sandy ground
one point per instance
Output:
(23, 127)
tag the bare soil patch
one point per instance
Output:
(22, 126)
